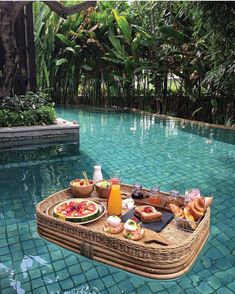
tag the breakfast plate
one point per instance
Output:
(101, 210)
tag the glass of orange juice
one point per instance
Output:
(115, 200)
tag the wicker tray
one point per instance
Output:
(152, 260)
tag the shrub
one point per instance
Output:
(28, 110)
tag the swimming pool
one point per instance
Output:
(140, 148)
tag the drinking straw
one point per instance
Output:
(85, 177)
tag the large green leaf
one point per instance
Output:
(116, 44)
(65, 40)
(113, 60)
(61, 61)
(69, 49)
(87, 67)
(135, 45)
(142, 68)
(116, 53)
(214, 104)
(142, 31)
(197, 110)
(123, 25)
(119, 78)
(170, 32)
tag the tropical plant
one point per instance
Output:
(163, 56)
(26, 110)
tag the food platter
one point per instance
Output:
(101, 212)
(145, 257)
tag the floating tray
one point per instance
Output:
(152, 260)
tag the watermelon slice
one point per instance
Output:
(77, 210)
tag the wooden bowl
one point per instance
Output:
(81, 191)
(103, 192)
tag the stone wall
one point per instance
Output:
(59, 132)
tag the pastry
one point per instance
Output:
(147, 213)
(113, 225)
(132, 230)
(176, 210)
(194, 211)
(208, 201)
(199, 204)
(188, 215)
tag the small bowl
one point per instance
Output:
(103, 192)
(81, 191)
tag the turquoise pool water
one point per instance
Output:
(139, 148)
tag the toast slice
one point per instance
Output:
(148, 213)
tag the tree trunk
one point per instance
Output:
(9, 12)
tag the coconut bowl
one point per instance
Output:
(79, 188)
(103, 188)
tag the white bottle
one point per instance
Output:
(97, 175)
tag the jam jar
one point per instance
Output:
(136, 191)
(173, 198)
(154, 196)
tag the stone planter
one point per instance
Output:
(60, 132)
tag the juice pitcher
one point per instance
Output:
(115, 200)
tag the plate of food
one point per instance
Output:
(77, 210)
(150, 217)
(132, 230)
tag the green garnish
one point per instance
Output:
(132, 223)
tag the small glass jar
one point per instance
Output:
(173, 197)
(136, 191)
(154, 191)
(191, 194)
(154, 196)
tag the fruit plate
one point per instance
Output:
(101, 212)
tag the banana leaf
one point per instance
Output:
(69, 49)
(65, 40)
(123, 25)
(116, 53)
(61, 61)
(197, 110)
(141, 30)
(87, 67)
(170, 32)
(116, 44)
(120, 78)
(135, 45)
(113, 60)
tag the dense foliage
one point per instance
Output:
(171, 57)
(26, 110)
